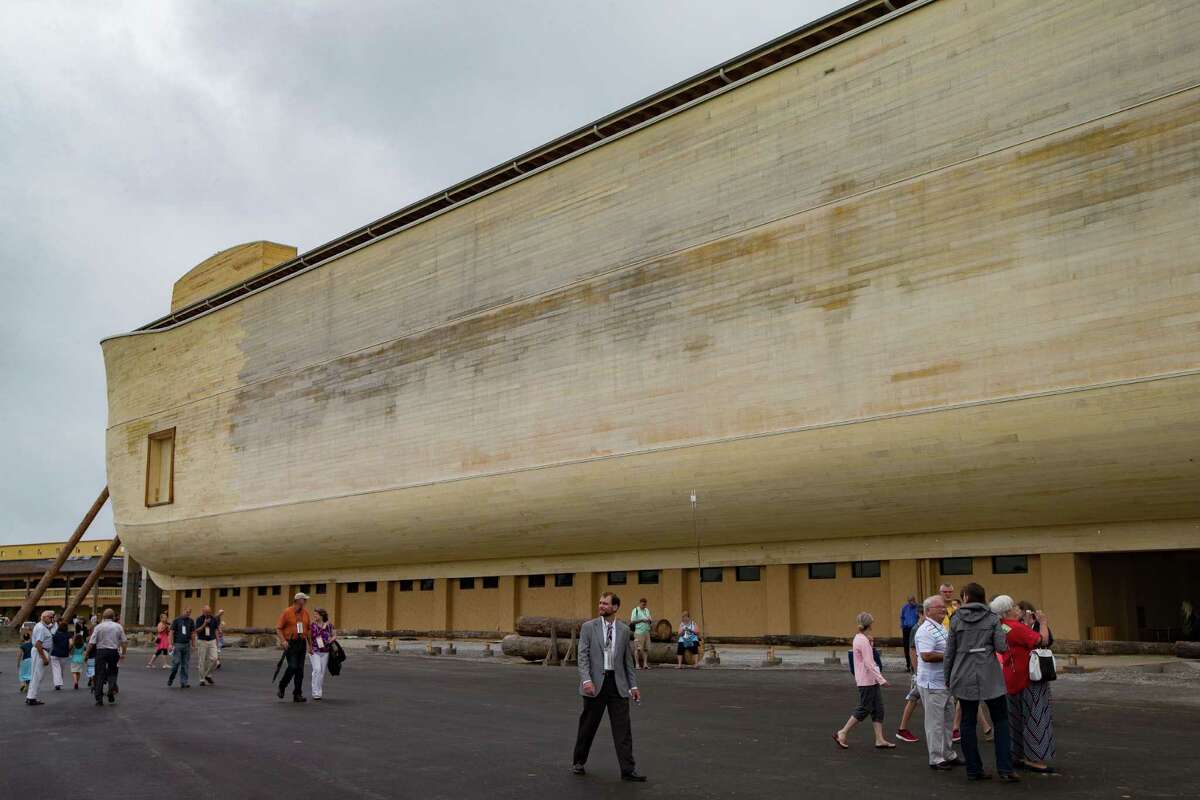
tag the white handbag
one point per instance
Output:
(1042, 666)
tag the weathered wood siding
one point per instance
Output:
(976, 202)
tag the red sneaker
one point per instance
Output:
(905, 735)
(955, 736)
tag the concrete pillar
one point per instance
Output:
(904, 581)
(389, 613)
(510, 607)
(585, 594)
(151, 600)
(777, 585)
(441, 605)
(673, 593)
(131, 592)
(1067, 594)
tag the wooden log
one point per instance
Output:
(535, 648)
(661, 631)
(1187, 649)
(1119, 648)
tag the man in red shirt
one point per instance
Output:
(294, 630)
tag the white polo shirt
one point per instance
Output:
(42, 633)
(930, 638)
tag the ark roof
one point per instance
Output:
(800, 43)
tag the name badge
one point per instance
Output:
(300, 628)
(321, 642)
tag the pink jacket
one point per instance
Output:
(865, 671)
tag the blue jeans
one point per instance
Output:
(179, 663)
(998, 708)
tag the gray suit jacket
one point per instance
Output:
(591, 657)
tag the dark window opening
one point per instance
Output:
(371, 586)
(1010, 565)
(222, 592)
(827, 569)
(261, 590)
(564, 579)
(352, 587)
(320, 588)
(426, 584)
(617, 578)
(406, 586)
(536, 581)
(491, 582)
(865, 569)
(957, 566)
(275, 590)
(711, 574)
(648, 576)
(466, 583)
(748, 573)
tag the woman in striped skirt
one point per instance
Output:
(1029, 714)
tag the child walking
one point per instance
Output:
(25, 660)
(77, 649)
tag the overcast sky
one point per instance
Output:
(137, 139)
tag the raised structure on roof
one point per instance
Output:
(913, 297)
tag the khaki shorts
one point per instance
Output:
(642, 642)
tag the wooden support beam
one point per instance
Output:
(32, 600)
(92, 578)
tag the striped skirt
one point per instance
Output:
(1030, 723)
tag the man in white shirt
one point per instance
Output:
(607, 680)
(43, 639)
(110, 645)
(930, 644)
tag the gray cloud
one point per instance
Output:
(137, 139)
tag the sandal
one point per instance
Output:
(840, 743)
(886, 746)
(1041, 770)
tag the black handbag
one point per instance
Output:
(336, 656)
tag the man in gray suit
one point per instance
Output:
(606, 681)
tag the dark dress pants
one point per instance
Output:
(618, 718)
(106, 671)
(998, 709)
(907, 645)
(295, 665)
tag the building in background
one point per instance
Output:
(22, 566)
(908, 295)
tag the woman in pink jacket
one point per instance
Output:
(869, 680)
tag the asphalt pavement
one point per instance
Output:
(403, 726)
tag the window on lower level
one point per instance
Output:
(426, 584)
(306, 588)
(237, 591)
(564, 579)
(406, 586)
(261, 591)
(1010, 565)
(466, 583)
(617, 578)
(648, 576)
(748, 573)
(536, 581)
(371, 586)
(160, 468)
(822, 571)
(352, 587)
(957, 566)
(711, 574)
(222, 592)
(320, 588)
(865, 569)
(275, 590)
(491, 582)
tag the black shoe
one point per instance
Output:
(1008, 777)
(169, 682)
(210, 681)
(577, 769)
(280, 693)
(112, 698)
(29, 702)
(633, 776)
(299, 698)
(955, 762)
(58, 688)
(983, 776)
(99, 701)
(184, 686)
(942, 767)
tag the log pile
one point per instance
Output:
(535, 648)
(661, 631)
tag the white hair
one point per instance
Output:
(928, 603)
(1002, 604)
